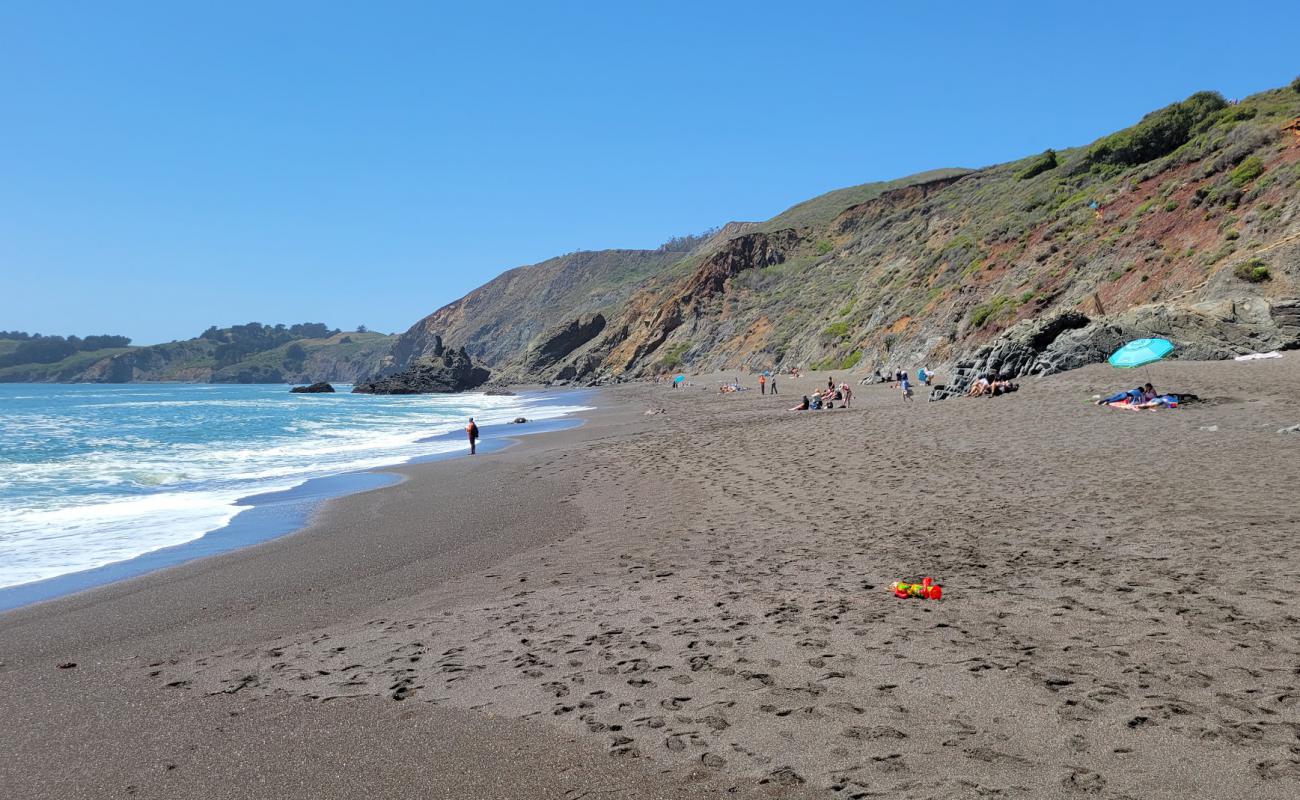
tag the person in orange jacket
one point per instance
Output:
(472, 431)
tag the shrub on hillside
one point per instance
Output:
(1247, 171)
(984, 312)
(1252, 271)
(674, 356)
(836, 330)
(1039, 165)
(1159, 133)
(1295, 84)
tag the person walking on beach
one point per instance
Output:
(762, 384)
(472, 431)
(773, 382)
(906, 384)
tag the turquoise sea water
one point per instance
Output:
(93, 474)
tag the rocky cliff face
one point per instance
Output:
(497, 322)
(1186, 225)
(560, 342)
(444, 370)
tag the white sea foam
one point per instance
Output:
(106, 495)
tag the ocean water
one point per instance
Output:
(93, 474)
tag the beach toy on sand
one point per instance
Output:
(926, 589)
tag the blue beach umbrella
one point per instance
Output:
(1139, 352)
(679, 379)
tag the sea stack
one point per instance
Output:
(320, 387)
(444, 371)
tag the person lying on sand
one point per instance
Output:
(1160, 401)
(1141, 394)
(980, 386)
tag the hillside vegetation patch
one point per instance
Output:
(1040, 164)
(1252, 271)
(1159, 133)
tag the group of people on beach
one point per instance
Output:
(843, 394)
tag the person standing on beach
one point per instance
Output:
(762, 384)
(773, 382)
(906, 384)
(472, 431)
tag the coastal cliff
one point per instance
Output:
(1184, 225)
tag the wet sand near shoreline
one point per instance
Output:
(695, 603)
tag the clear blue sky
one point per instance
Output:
(166, 166)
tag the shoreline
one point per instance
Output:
(269, 515)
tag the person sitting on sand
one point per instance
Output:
(980, 386)
(1148, 393)
(803, 406)
(816, 402)
(1160, 401)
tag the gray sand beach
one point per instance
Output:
(695, 604)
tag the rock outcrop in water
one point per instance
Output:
(320, 387)
(445, 370)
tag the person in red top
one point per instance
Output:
(472, 431)
(762, 384)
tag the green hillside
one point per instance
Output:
(252, 353)
(823, 208)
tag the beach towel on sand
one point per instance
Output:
(1163, 401)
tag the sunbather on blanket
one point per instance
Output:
(1141, 394)
(1160, 401)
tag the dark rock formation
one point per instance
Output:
(560, 341)
(320, 387)
(445, 371)
(520, 420)
(1067, 340)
